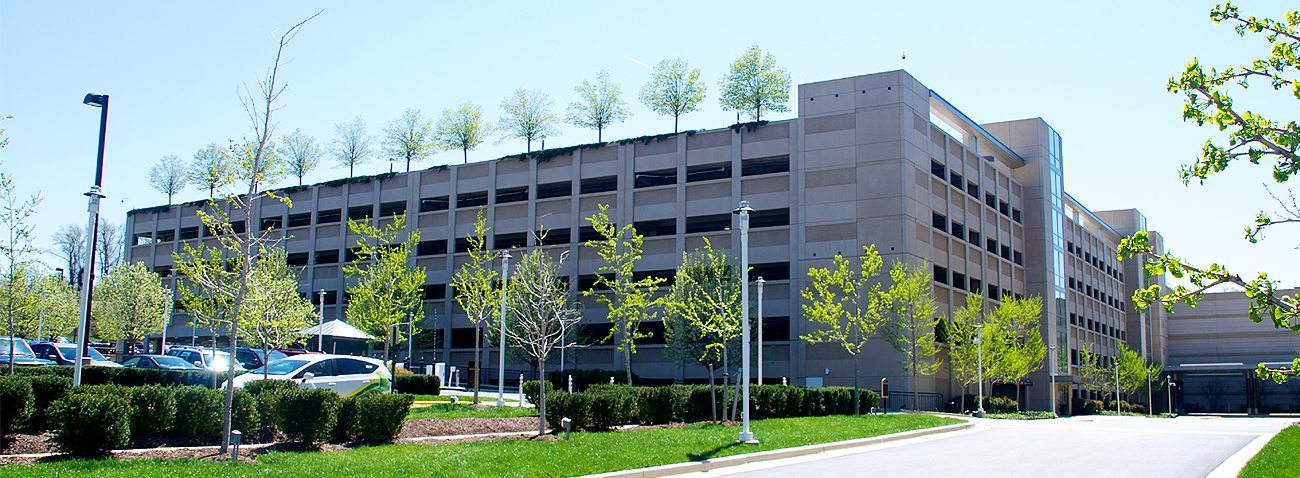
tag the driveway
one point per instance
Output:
(1070, 447)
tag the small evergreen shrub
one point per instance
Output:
(91, 424)
(198, 412)
(153, 409)
(533, 387)
(266, 394)
(611, 407)
(46, 389)
(16, 403)
(380, 416)
(243, 413)
(308, 416)
(417, 384)
(345, 425)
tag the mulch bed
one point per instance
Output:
(428, 427)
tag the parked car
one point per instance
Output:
(214, 360)
(293, 352)
(252, 358)
(346, 375)
(162, 362)
(66, 354)
(22, 353)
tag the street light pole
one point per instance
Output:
(1052, 350)
(1169, 379)
(743, 210)
(759, 282)
(167, 319)
(320, 321)
(979, 369)
(501, 372)
(88, 278)
(1118, 412)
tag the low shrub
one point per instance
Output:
(582, 379)
(345, 425)
(46, 389)
(1093, 407)
(130, 377)
(91, 424)
(266, 394)
(380, 416)
(16, 403)
(243, 415)
(153, 409)
(1001, 405)
(308, 416)
(611, 407)
(198, 412)
(657, 405)
(533, 387)
(417, 384)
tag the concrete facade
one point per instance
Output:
(876, 159)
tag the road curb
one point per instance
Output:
(1232, 467)
(736, 460)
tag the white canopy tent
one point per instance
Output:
(335, 330)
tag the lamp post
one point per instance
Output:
(1052, 350)
(743, 210)
(1118, 412)
(88, 279)
(167, 319)
(320, 321)
(501, 372)
(979, 369)
(759, 282)
(1170, 388)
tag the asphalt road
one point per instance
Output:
(1073, 447)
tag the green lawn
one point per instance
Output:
(585, 453)
(447, 398)
(460, 410)
(1278, 458)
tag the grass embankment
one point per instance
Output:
(1278, 458)
(1030, 415)
(585, 453)
(458, 410)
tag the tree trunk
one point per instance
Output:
(735, 395)
(726, 379)
(857, 402)
(541, 402)
(464, 151)
(478, 361)
(675, 123)
(713, 395)
(627, 362)
(598, 135)
(266, 359)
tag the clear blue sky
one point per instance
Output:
(1096, 71)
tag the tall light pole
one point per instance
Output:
(759, 282)
(743, 210)
(320, 321)
(167, 319)
(979, 369)
(1118, 412)
(88, 278)
(501, 367)
(1169, 379)
(1052, 361)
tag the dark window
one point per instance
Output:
(1018, 258)
(352, 254)
(975, 285)
(661, 227)
(1071, 282)
(958, 229)
(472, 199)
(959, 280)
(1069, 247)
(189, 232)
(706, 172)
(553, 190)
(435, 291)
(462, 338)
(509, 195)
(395, 208)
(660, 177)
(1006, 252)
(327, 257)
(706, 223)
(973, 237)
(770, 271)
(776, 329)
(939, 221)
(938, 169)
(588, 233)
(237, 227)
(769, 165)
(669, 276)
(993, 292)
(298, 259)
(361, 213)
(956, 180)
(588, 281)
(300, 219)
(1015, 215)
(991, 245)
(167, 235)
(990, 200)
(592, 333)
(653, 332)
(1004, 208)
(270, 223)
(346, 366)
(329, 217)
(331, 297)
(323, 368)
(440, 203)
(163, 271)
(973, 189)
(770, 218)
(556, 237)
(462, 245)
(941, 274)
(1074, 319)
(510, 241)
(598, 185)
(431, 248)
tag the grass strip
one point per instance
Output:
(1278, 458)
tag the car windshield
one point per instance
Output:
(220, 361)
(281, 367)
(20, 347)
(276, 356)
(70, 351)
(169, 361)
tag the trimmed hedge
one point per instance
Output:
(991, 404)
(380, 416)
(532, 388)
(153, 409)
(91, 424)
(417, 384)
(345, 425)
(46, 389)
(266, 396)
(130, 377)
(198, 412)
(16, 403)
(583, 379)
(308, 416)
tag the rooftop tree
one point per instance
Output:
(755, 84)
(599, 105)
(351, 145)
(527, 115)
(301, 153)
(169, 176)
(463, 128)
(210, 167)
(674, 89)
(409, 137)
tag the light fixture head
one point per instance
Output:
(743, 208)
(760, 280)
(96, 100)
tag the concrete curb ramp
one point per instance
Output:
(736, 460)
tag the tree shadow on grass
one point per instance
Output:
(711, 453)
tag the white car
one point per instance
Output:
(344, 374)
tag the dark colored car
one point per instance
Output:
(162, 362)
(23, 354)
(252, 358)
(66, 354)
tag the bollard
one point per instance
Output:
(521, 390)
(235, 438)
(570, 384)
(783, 382)
(568, 427)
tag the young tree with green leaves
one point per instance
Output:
(47, 305)
(674, 89)
(1217, 97)
(210, 168)
(706, 295)
(914, 319)
(478, 291)
(169, 176)
(463, 128)
(15, 215)
(351, 145)
(301, 153)
(1018, 322)
(755, 84)
(1136, 372)
(599, 105)
(847, 306)
(541, 308)
(630, 301)
(410, 137)
(1095, 375)
(130, 304)
(527, 115)
(276, 312)
(389, 287)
